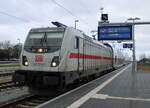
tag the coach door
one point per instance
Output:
(80, 59)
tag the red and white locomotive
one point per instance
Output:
(61, 55)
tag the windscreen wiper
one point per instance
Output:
(45, 38)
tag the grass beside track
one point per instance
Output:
(9, 65)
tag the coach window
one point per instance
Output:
(76, 42)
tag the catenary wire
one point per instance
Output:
(58, 4)
(13, 16)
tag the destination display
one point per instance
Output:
(115, 32)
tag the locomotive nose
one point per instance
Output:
(47, 62)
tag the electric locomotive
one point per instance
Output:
(59, 56)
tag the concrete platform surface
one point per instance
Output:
(119, 89)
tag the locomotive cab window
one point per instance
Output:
(47, 41)
(76, 42)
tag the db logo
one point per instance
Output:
(38, 58)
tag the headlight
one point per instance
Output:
(40, 50)
(25, 61)
(54, 64)
(55, 61)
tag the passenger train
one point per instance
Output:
(59, 56)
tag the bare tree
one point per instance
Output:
(1, 45)
(17, 50)
(8, 50)
(8, 47)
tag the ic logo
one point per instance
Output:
(38, 58)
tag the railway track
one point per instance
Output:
(6, 76)
(6, 73)
(8, 69)
(8, 85)
(6, 79)
(29, 101)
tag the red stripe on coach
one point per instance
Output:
(85, 56)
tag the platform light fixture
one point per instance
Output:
(75, 26)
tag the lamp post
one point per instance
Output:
(75, 26)
(133, 36)
(18, 49)
(19, 41)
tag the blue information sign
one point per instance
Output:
(127, 45)
(115, 32)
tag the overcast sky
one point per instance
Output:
(17, 17)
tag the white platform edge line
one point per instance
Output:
(83, 99)
(104, 96)
(73, 90)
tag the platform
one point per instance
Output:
(119, 89)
